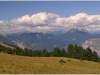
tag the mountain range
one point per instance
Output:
(48, 41)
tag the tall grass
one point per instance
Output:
(13, 64)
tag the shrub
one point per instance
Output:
(62, 61)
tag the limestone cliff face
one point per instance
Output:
(94, 44)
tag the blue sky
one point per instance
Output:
(15, 9)
(33, 16)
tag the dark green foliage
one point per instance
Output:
(18, 50)
(35, 53)
(79, 53)
(56, 52)
(30, 52)
(6, 50)
(69, 50)
(88, 54)
(95, 56)
(39, 53)
(62, 61)
(45, 53)
(63, 53)
(72, 52)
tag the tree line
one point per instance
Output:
(57, 52)
(79, 53)
(73, 51)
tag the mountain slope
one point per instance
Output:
(76, 36)
(94, 44)
(6, 39)
(46, 40)
(39, 40)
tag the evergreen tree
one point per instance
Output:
(30, 52)
(9, 51)
(18, 50)
(1, 48)
(56, 52)
(35, 53)
(95, 56)
(88, 54)
(81, 52)
(39, 53)
(69, 50)
(24, 52)
(44, 53)
(48, 54)
(63, 53)
(83, 56)
(75, 52)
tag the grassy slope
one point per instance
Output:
(5, 45)
(45, 65)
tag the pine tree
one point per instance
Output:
(44, 53)
(39, 53)
(88, 54)
(18, 50)
(81, 52)
(95, 56)
(69, 50)
(75, 52)
(56, 52)
(63, 53)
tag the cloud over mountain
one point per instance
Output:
(80, 20)
(51, 22)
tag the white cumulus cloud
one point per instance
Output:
(35, 19)
(41, 22)
(80, 20)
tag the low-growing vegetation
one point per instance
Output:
(13, 64)
(58, 61)
(73, 51)
(62, 61)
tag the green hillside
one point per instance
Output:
(13, 64)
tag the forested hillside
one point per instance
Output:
(73, 51)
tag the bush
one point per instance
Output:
(62, 61)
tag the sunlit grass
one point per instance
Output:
(5, 45)
(45, 65)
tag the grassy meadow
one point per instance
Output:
(13, 64)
